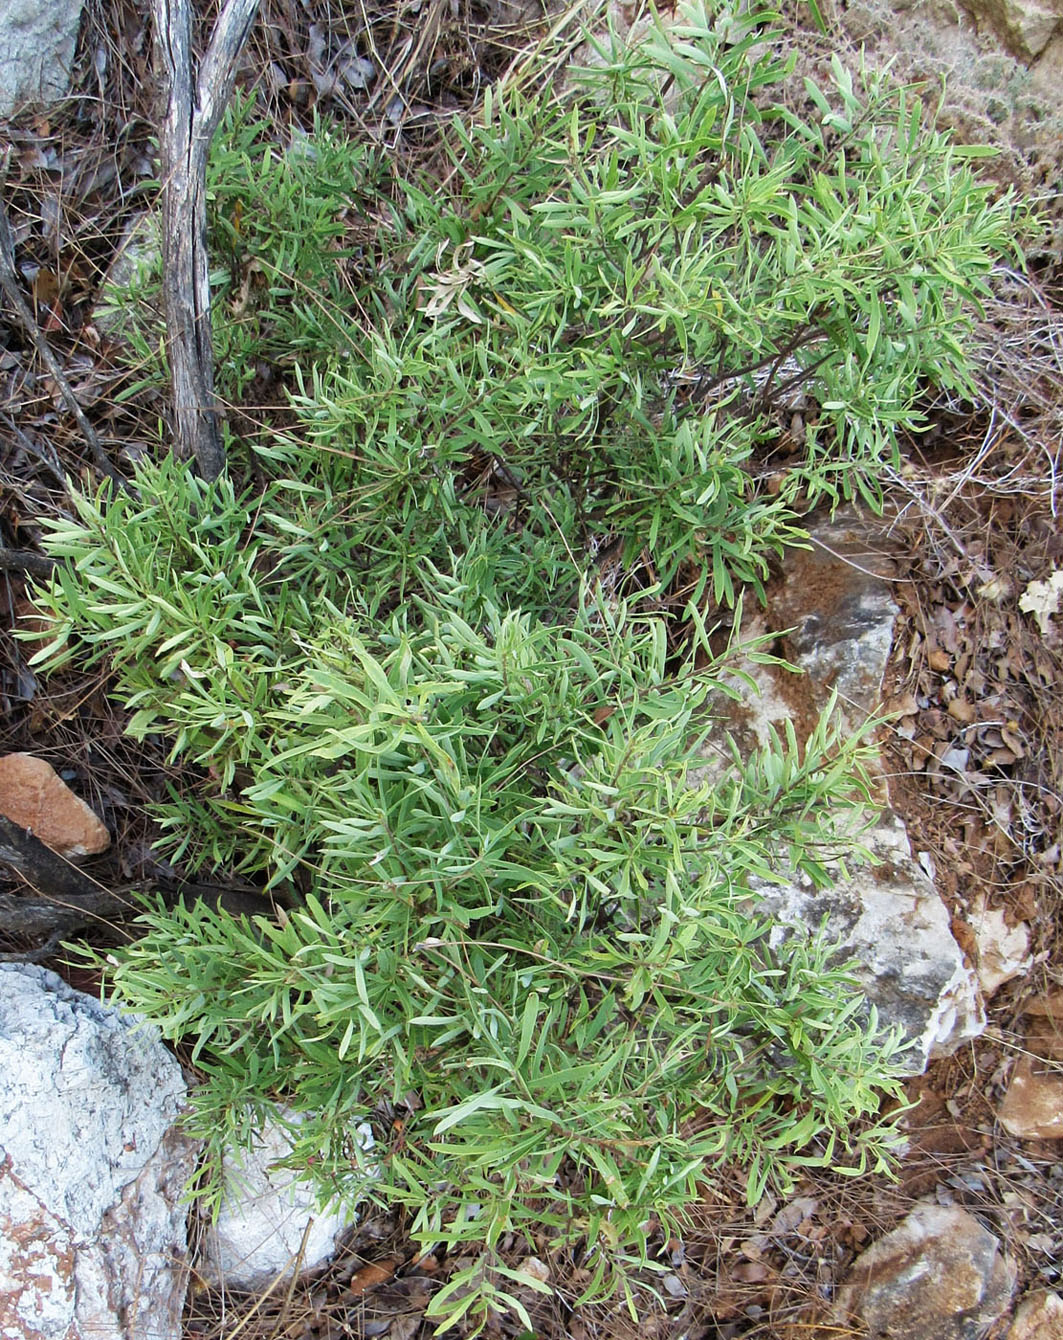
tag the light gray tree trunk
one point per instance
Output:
(194, 105)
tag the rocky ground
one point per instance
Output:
(973, 753)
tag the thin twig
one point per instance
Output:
(46, 455)
(56, 879)
(39, 954)
(10, 285)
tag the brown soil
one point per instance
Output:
(975, 754)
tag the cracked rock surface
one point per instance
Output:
(92, 1228)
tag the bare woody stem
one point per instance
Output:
(193, 109)
(67, 896)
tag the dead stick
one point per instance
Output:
(25, 560)
(37, 955)
(53, 876)
(9, 283)
(46, 455)
(193, 111)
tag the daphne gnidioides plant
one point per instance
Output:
(427, 718)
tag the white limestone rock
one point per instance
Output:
(888, 917)
(836, 604)
(92, 1229)
(836, 600)
(37, 40)
(269, 1216)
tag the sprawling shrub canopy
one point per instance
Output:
(428, 668)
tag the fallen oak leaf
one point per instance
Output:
(752, 1272)
(1041, 599)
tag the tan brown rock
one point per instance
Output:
(1033, 1105)
(1039, 1317)
(1047, 1006)
(33, 795)
(1046, 77)
(939, 1276)
(1002, 950)
(1027, 26)
(1044, 1025)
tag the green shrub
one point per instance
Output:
(421, 704)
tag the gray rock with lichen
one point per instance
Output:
(92, 1168)
(37, 44)
(939, 1276)
(835, 605)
